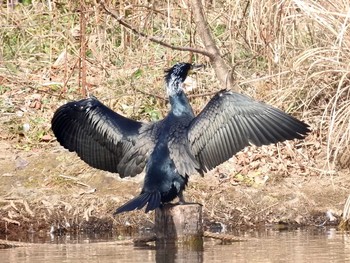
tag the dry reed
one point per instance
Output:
(294, 54)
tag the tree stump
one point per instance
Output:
(179, 224)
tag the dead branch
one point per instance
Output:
(82, 57)
(153, 39)
(222, 70)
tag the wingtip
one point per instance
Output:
(305, 129)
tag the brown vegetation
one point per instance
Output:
(292, 54)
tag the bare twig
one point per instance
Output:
(11, 221)
(144, 240)
(153, 39)
(223, 237)
(151, 94)
(74, 179)
(188, 96)
(222, 70)
(82, 60)
(206, 94)
(64, 89)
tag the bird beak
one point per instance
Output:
(190, 83)
(196, 67)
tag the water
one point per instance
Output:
(302, 245)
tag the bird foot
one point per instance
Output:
(187, 203)
(183, 202)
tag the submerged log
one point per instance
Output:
(179, 223)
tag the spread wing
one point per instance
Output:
(232, 121)
(103, 138)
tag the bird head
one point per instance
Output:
(176, 75)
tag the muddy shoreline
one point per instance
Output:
(52, 191)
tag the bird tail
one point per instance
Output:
(153, 200)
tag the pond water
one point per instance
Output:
(300, 245)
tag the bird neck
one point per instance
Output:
(173, 85)
(180, 105)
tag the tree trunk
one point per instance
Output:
(222, 70)
(180, 224)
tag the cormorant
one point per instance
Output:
(175, 147)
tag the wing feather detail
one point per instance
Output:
(103, 138)
(232, 121)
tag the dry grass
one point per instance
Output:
(293, 54)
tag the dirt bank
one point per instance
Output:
(49, 189)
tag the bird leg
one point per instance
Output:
(181, 199)
(183, 202)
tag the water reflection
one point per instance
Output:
(172, 253)
(301, 245)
